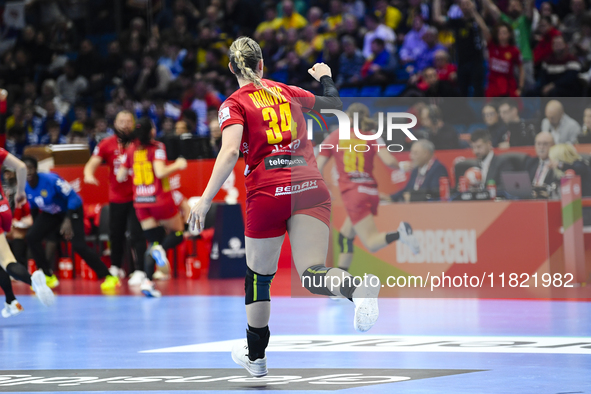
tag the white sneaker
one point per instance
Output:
(40, 288)
(117, 272)
(257, 368)
(159, 275)
(149, 290)
(136, 278)
(408, 238)
(12, 309)
(365, 298)
(159, 254)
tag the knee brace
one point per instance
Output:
(257, 287)
(172, 240)
(313, 279)
(345, 244)
(155, 235)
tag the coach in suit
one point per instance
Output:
(492, 166)
(426, 169)
(538, 168)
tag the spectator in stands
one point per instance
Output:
(70, 85)
(443, 136)
(519, 18)
(545, 35)
(81, 116)
(291, 19)
(181, 128)
(495, 127)
(51, 113)
(585, 136)
(426, 169)
(468, 46)
(580, 44)
(389, 14)
(573, 21)
(413, 44)
(414, 7)
(153, 80)
(315, 17)
(172, 58)
(563, 128)
(16, 140)
(54, 135)
(377, 68)
(375, 29)
(89, 63)
(503, 59)
(270, 22)
(334, 20)
(559, 76)
(432, 86)
(136, 32)
(564, 157)
(519, 132)
(491, 165)
(426, 57)
(179, 32)
(168, 127)
(446, 71)
(215, 139)
(350, 63)
(539, 169)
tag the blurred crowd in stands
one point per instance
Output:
(70, 65)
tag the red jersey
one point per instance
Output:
(147, 189)
(274, 141)
(110, 150)
(354, 168)
(3, 200)
(502, 61)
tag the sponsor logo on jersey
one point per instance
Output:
(145, 199)
(143, 190)
(284, 161)
(223, 115)
(4, 208)
(295, 189)
(43, 193)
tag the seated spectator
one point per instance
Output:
(54, 135)
(181, 127)
(389, 14)
(545, 35)
(154, 79)
(172, 58)
(573, 21)
(51, 113)
(89, 63)
(215, 139)
(375, 29)
(426, 169)
(563, 127)
(81, 116)
(490, 164)
(413, 44)
(559, 76)
(379, 65)
(564, 157)
(291, 19)
(310, 45)
(495, 127)
(443, 136)
(16, 140)
(585, 136)
(17, 118)
(270, 22)
(350, 63)
(503, 58)
(445, 70)
(539, 169)
(314, 17)
(70, 85)
(334, 20)
(426, 58)
(168, 127)
(580, 44)
(178, 33)
(432, 86)
(519, 132)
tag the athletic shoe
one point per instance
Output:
(365, 298)
(159, 275)
(149, 290)
(52, 281)
(257, 368)
(136, 278)
(110, 284)
(40, 287)
(117, 272)
(408, 238)
(12, 309)
(159, 254)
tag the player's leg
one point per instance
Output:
(43, 224)
(154, 234)
(375, 240)
(89, 255)
(262, 255)
(346, 237)
(117, 228)
(138, 244)
(11, 306)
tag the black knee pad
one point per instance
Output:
(257, 287)
(155, 235)
(345, 244)
(313, 279)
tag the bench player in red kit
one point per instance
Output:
(284, 193)
(121, 212)
(145, 162)
(359, 189)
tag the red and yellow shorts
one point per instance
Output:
(269, 208)
(5, 218)
(162, 211)
(360, 202)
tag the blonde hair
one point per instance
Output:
(245, 55)
(565, 153)
(366, 123)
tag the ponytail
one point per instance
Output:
(245, 55)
